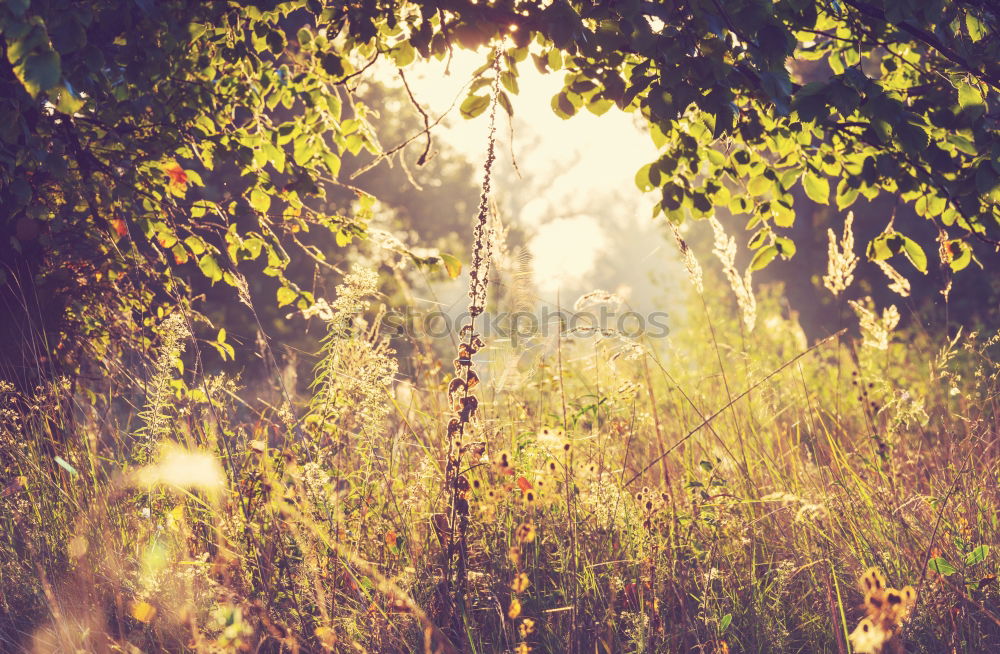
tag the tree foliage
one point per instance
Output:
(114, 113)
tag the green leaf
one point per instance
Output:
(554, 59)
(969, 96)
(474, 105)
(66, 102)
(786, 246)
(961, 260)
(642, 181)
(504, 101)
(915, 254)
(846, 196)
(783, 216)
(763, 257)
(195, 244)
(65, 465)
(724, 622)
(977, 555)
(758, 238)
(660, 139)
(402, 54)
(180, 254)
(599, 107)
(816, 187)
(210, 267)
(941, 566)
(452, 265)
(759, 185)
(562, 105)
(276, 41)
(40, 71)
(509, 81)
(253, 247)
(976, 27)
(286, 296)
(260, 200)
(882, 247)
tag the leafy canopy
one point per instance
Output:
(116, 116)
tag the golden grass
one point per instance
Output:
(636, 503)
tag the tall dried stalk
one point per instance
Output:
(464, 401)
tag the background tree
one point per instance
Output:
(115, 112)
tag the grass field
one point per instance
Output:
(720, 490)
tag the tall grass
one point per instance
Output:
(714, 491)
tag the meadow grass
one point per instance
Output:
(724, 489)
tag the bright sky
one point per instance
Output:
(574, 167)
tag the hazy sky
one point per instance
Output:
(580, 172)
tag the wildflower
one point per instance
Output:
(502, 464)
(357, 366)
(550, 438)
(527, 627)
(842, 260)
(886, 609)
(525, 532)
(520, 583)
(514, 554)
(173, 336)
(514, 609)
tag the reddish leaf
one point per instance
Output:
(177, 175)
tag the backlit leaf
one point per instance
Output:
(940, 566)
(763, 257)
(452, 265)
(816, 187)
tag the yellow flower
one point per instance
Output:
(143, 611)
(525, 532)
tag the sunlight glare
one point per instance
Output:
(580, 163)
(565, 251)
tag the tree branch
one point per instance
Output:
(928, 39)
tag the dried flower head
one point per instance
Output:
(690, 263)
(725, 249)
(876, 330)
(598, 298)
(842, 260)
(900, 284)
